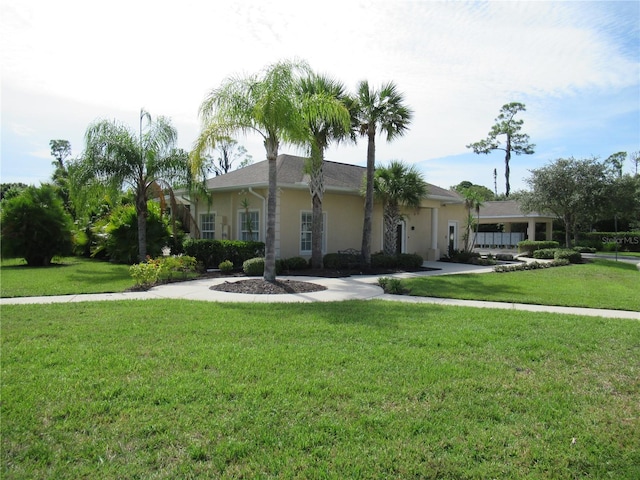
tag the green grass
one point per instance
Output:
(620, 254)
(597, 284)
(370, 389)
(68, 275)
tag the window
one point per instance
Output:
(249, 226)
(306, 222)
(208, 225)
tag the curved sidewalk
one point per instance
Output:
(337, 289)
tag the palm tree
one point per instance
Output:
(268, 104)
(325, 127)
(472, 201)
(397, 185)
(114, 156)
(378, 110)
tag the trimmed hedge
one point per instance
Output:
(545, 253)
(566, 254)
(341, 261)
(517, 267)
(211, 253)
(529, 246)
(253, 266)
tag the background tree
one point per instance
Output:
(323, 130)
(8, 190)
(515, 141)
(616, 162)
(397, 185)
(60, 150)
(227, 154)
(115, 156)
(381, 111)
(635, 160)
(473, 200)
(576, 191)
(35, 226)
(483, 192)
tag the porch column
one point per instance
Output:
(549, 231)
(433, 253)
(531, 230)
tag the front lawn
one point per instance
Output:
(596, 284)
(363, 389)
(68, 275)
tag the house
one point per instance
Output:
(238, 203)
(504, 224)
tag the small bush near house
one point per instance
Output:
(392, 286)
(147, 274)
(461, 256)
(409, 260)
(566, 254)
(545, 253)
(294, 263)
(253, 266)
(527, 247)
(504, 257)
(226, 266)
(381, 260)
(211, 252)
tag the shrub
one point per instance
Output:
(118, 233)
(226, 266)
(145, 274)
(175, 266)
(529, 266)
(211, 252)
(545, 253)
(253, 266)
(566, 254)
(392, 286)
(381, 260)
(295, 263)
(410, 260)
(35, 226)
(583, 249)
(527, 247)
(461, 256)
(332, 261)
(483, 261)
(504, 257)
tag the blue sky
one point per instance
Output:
(576, 66)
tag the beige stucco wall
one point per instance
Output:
(344, 215)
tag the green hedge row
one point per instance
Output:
(210, 253)
(340, 261)
(529, 246)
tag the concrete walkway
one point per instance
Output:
(363, 287)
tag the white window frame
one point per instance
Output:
(243, 233)
(208, 233)
(303, 232)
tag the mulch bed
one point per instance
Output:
(259, 286)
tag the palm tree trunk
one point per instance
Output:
(391, 217)
(142, 213)
(507, 172)
(316, 232)
(368, 199)
(271, 146)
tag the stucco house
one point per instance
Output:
(238, 203)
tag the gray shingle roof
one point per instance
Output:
(290, 173)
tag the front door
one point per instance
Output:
(453, 236)
(399, 237)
